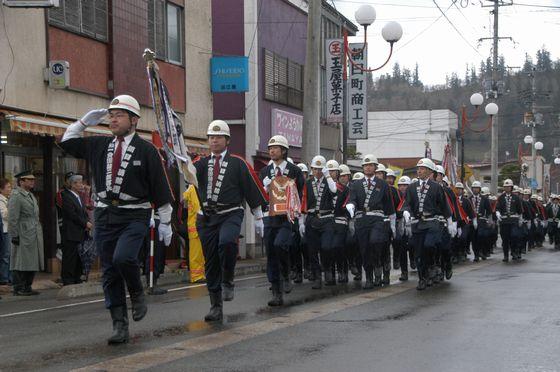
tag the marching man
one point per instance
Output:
(509, 208)
(370, 201)
(226, 181)
(128, 176)
(425, 211)
(277, 178)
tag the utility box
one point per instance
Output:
(59, 74)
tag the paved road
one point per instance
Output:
(490, 317)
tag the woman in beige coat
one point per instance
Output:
(26, 234)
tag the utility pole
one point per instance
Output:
(311, 115)
(534, 126)
(493, 95)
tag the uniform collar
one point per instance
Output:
(222, 155)
(282, 165)
(127, 138)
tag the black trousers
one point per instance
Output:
(22, 280)
(219, 235)
(71, 263)
(509, 234)
(374, 241)
(278, 239)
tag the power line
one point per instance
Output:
(456, 29)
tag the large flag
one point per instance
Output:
(170, 128)
(449, 163)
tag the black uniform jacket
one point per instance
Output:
(435, 202)
(74, 218)
(381, 198)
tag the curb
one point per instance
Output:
(175, 277)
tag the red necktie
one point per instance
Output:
(278, 172)
(216, 170)
(369, 184)
(117, 157)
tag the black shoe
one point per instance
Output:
(358, 278)
(120, 326)
(227, 292)
(448, 273)
(421, 285)
(396, 264)
(306, 274)
(287, 285)
(369, 281)
(354, 270)
(298, 278)
(429, 282)
(277, 299)
(156, 291)
(329, 278)
(139, 307)
(216, 308)
(377, 281)
(413, 265)
(476, 259)
(404, 276)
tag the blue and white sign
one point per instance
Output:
(229, 74)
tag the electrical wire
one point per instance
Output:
(12, 63)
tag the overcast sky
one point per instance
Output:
(439, 49)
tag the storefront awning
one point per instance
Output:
(44, 125)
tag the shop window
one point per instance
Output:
(165, 30)
(86, 17)
(283, 80)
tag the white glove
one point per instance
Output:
(266, 182)
(393, 224)
(528, 224)
(259, 227)
(520, 223)
(93, 117)
(536, 222)
(475, 223)
(498, 216)
(545, 224)
(406, 215)
(152, 223)
(459, 232)
(165, 233)
(302, 229)
(451, 227)
(558, 225)
(325, 172)
(350, 208)
(408, 230)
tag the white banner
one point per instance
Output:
(357, 94)
(333, 56)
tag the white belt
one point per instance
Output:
(341, 220)
(145, 205)
(372, 213)
(229, 210)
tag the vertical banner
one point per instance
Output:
(357, 94)
(333, 57)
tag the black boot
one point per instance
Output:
(139, 307)
(216, 308)
(155, 290)
(377, 281)
(386, 277)
(277, 299)
(369, 280)
(329, 278)
(120, 326)
(404, 276)
(506, 257)
(298, 277)
(287, 285)
(316, 278)
(421, 285)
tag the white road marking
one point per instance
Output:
(183, 349)
(102, 300)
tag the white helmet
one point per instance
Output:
(445, 179)
(404, 180)
(344, 170)
(218, 128)
(527, 192)
(554, 196)
(318, 161)
(493, 197)
(333, 165)
(390, 173)
(278, 140)
(459, 185)
(440, 169)
(358, 176)
(508, 182)
(369, 159)
(381, 168)
(539, 198)
(485, 191)
(427, 163)
(516, 189)
(476, 184)
(290, 160)
(414, 180)
(534, 196)
(125, 102)
(303, 167)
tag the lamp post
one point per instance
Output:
(537, 147)
(476, 100)
(557, 163)
(392, 32)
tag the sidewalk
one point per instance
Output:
(173, 275)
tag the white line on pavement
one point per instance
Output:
(101, 299)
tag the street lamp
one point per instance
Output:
(557, 160)
(528, 140)
(539, 146)
(491, 109)
(392, 32)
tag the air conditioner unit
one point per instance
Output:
(31, 3)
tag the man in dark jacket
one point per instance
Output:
(75, 226)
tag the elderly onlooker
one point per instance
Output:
(5, 275)
(75, 226)
(26, 235)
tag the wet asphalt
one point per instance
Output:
(499, 317)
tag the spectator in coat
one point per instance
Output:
(5, 191)
(26, 234)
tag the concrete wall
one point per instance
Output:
(394, 134)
